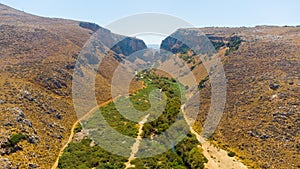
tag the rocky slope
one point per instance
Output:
(260, 122)
(262, 116)
(38, 56)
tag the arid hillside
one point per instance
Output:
(260, 124)
(37, 58)
(261, 121)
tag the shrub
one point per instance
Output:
(233, 44)
(227, 52)
(15, 139)
(231, 154)
(78, 128)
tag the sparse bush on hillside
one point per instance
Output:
(11, 145)
(187, 58)
(233, 44)
(227, 52)
(231, 154)
(16, 138)
(78, 128)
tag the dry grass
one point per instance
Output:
(36, 67)
(260, 124)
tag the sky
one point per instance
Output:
(200, 13)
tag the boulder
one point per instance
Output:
(274, 86)
(58, 115)
(32, 166)
(33, 139)
(20, 112)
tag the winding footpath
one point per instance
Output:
(55, 165)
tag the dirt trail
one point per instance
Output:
(217, 158)
(135, 146)
(74, 126)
